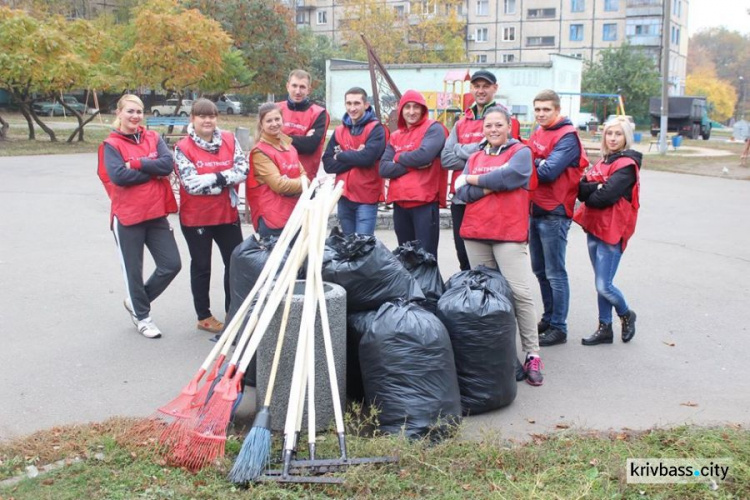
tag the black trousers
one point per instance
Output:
(419, 223)
(457, 215)
(200, 243)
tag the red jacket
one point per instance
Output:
(500, 215)
(264, 202)
(418, 186)
(141, 202)
(299, 123)
(361, 185)
(564, 189)
(208, 210)
(615, 223)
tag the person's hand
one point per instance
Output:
(199, 182)
(127, 164)
(460, 181)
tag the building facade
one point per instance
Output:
(528, 31)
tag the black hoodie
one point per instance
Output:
(619, 185)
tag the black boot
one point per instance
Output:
(520, 372)
(602, 335)
(628, 325)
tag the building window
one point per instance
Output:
(509, 34)
(577, 5)
(481, 35)
(322, 17)
(576, 32)
(541, 13)
(577, 55)
(540, 41)
(480, 58)
(509, 58)
(300, 17)
(509, 6)
(611, 5)
(609, 32)
(675, 35)
(400, 10)
(483, 7)
(677, 8)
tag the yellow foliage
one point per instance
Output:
(721, 95)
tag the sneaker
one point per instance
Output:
(210, 324)
(129, 306)
(628, 325)
(533, 368)
(552, 336)
(602, 335)
(520, 372)
(148, 329)
(542, 326)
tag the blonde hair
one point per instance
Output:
(121, 104)
(263, 110)
(300, 74)
(627, 131)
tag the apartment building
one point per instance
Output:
(528, 31)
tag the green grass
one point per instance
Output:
(563, 465)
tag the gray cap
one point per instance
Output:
(483, 74)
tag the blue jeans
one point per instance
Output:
(548, 241)
(605, 258)
(357, 217)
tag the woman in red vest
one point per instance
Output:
(610, 195)
(276, 176)
(412, 163)
(495, 186)
(210, 164)
(134, 165)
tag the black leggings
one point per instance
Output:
(419, 223)
(200, 242)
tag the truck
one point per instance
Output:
(687, 116)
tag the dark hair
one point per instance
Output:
(498, 108)
(357, 91)
(263, 110)
(203, 106)
(549, 95)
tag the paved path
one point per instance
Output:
(68, 352)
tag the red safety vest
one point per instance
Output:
(418, 186)
(564, 189)
(140, 202)
(264, 202)
(469, 130)
(208, 210)
(501, 215)
(617, 222)
(299, 123)
(361, 185)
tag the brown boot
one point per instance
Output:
(210, 324)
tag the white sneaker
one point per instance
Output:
(148, 329)
(129, 306)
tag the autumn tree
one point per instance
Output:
(435, 33)
(174, 48)
(384, 27)
(624, 70)
(721, 96)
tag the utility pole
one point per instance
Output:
(665, 41)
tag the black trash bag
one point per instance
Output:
(480, 318)
(409, 372)
(368, 271)
(357, 324)
(423, 266)
(246, 264)
(482, 273)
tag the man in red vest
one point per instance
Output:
(306, 123)
(462, 142)
(560, 160)
(353, 154)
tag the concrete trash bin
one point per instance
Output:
(324, 417)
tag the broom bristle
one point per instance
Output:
(255, 453)
(207, 431)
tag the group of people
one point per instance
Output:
(513, 200)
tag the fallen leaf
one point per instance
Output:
(670, 344)
(531, 420)
(562, 426)
(594, 462)
(466, 486)
(48, 482)
(621, 437)
(689, 403)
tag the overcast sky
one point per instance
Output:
(709, 13)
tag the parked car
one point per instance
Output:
(585, 121)
(627, 117)
(169, 108)
(54, 108)
(229, 104)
